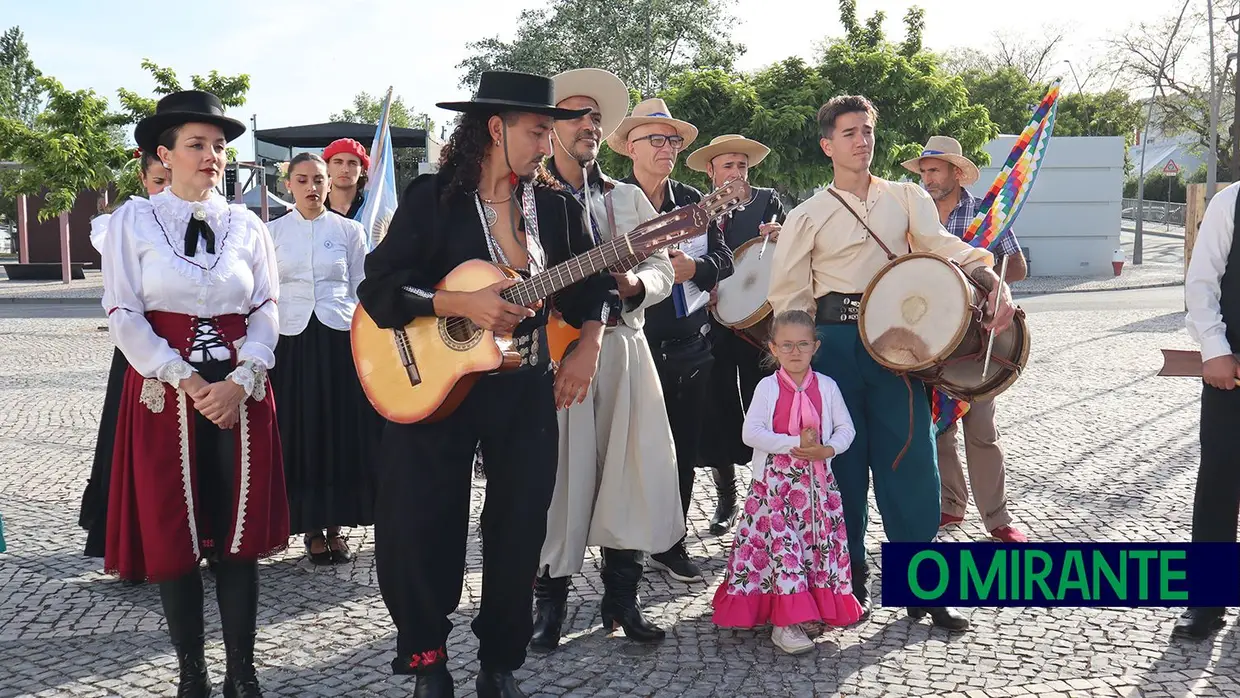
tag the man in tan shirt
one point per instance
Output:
(824, 262)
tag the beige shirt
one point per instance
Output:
(631, 208)
(823, 248)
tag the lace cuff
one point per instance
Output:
(251, 377)
(174, 372)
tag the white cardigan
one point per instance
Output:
(837, 429)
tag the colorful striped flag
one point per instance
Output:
(997, 211)
(380, 202)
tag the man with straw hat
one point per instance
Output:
(616, 486)
(737, 362)
(677, 327)
(837, 241)
(945, 172)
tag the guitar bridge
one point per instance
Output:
(406, 356)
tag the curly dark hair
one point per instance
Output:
(461, 158)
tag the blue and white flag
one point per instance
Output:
(380, 194)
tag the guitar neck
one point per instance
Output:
(612, 253)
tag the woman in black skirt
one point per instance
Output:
(328, 429)
(93, 516)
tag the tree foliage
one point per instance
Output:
(645, 42)
(231, 89)
(21, 94)
(368, 109)
(67, 151)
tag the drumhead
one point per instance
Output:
(963, 379)
(743, 294)
(915, 312)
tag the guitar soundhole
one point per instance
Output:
(459, 333)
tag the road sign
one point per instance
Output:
(1171, 168)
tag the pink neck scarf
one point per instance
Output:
(798, 407)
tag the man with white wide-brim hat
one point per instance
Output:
(738, 363)
(677, 328)
(611, 490)
(945, 172)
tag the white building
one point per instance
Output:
(1070, 224)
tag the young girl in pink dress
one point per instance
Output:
(789, 564)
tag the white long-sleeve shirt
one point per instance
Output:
(145, 269)
(321, 263)
(1203, 284)
(837, 430)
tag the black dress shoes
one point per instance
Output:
(498, 684)
(434, 683)
(943, 617)
(1199, 623)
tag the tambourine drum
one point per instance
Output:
(922, 315)
(742, 305)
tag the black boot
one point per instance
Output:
(1199, 623)
(182, 602)
(434, 682)
(550, 599)
(240, 679)
(725, 486)
(621, 574)
(943, 617)
(861, 587)
(497, 684)
(194, 681)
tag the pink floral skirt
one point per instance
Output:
(789, 561)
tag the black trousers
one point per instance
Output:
(422, 518)
(1216, 506)
(684, 367)
(734, 376)
(236, 586)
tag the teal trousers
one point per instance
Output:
(878, 402)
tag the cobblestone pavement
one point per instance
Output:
(1099, 449)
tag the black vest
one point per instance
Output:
(1229, 299)
(742, 225)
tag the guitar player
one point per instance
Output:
(482, 204)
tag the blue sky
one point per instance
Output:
(307, 59)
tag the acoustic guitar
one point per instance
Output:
(421, 372)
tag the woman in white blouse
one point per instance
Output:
(190, 282)
(328, 428)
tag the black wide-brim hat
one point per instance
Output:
(186, 107)
(501, 91)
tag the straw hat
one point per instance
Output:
(603, 87)
(728, 143)
(945, 148)
(651, 111)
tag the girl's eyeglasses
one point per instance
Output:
(800, 347)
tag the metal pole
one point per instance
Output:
(66, 271)
(1145, 140)
(23, 231)
(262, 185)
(1212, 157)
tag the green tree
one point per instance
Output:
(367, 110)
(645, 42)
(68, 150)
(21, 95)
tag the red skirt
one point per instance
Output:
(157, 523)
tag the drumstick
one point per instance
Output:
(990, 345)
(767, 238)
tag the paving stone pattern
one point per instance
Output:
(1099, 449)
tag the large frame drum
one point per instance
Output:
(922, 315)
(742, 305)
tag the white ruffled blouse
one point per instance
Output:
(145, 268)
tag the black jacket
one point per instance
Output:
(428, 238)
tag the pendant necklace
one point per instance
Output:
(490, 213)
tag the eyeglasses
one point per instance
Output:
(800, 347)
(658, 140)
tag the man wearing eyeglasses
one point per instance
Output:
(676, 328)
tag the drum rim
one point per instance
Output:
(1021, 360)
(763, 310)
(865, 298)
